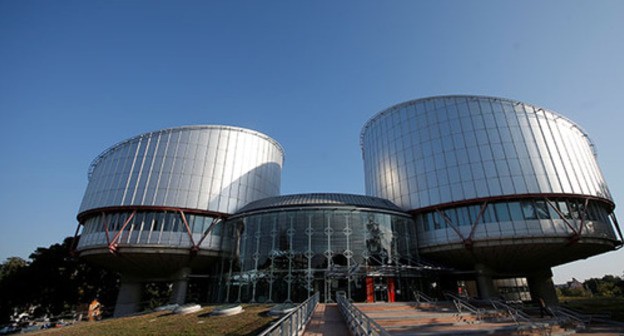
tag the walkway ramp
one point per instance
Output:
(327, 321)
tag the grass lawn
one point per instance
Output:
(596, 305)
(250, 322)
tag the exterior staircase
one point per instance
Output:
(443, 318)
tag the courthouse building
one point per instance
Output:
(475, 194)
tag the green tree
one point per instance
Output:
(607, 286)
(55, 281)
(574, 292)
(11, 266)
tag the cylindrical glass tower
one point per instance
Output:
(158, 200)
(491, 181)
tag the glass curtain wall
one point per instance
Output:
(159, 228)
(287, 256)
(516, 218)
(447, 149)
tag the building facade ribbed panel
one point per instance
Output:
(477, 172)
(448, 149)
(471, 193)
(212, 168)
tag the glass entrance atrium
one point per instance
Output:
(293, 246)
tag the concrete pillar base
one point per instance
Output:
(485, 284)
(180, 285)
(541, 286)
(129, 297)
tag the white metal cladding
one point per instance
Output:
(214, 168)
(452, 148)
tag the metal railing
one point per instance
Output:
(514, 313)
(358, 323)
(563, 315)
(293, 322)
(422, 297)
(583, 319)
(461, 304)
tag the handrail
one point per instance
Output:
(588, 317)
(294, 321)
(358, 322)
(514, 313)
(418, 295)
(462, 304)
(563, 313)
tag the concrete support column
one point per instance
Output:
(541, 286)
(180, 285)
(129, 297)
(485, 284)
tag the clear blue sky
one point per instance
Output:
(78, 76)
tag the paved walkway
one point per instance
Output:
(326, 320)
(402, 319)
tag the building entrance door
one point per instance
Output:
(380, 289)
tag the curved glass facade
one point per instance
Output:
(447, 149)
(491, 182)
(490, 188)
(156, 229)
(539, 217)
(287, 254)
(214, 168)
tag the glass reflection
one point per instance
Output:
(286, 256)
(518, 216)
(542, 152)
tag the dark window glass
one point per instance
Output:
(86, 226)
(602, 214)
(420, 224)
(592, 212)
(489, 215)
(107, 223)
(202, 223)
(110, 221)
(516, 210)
(425, 220)
(541, 209)
(565, 210)
(582, 212)
(157, 221)
(607, 216)
(574, 209)
(451, 214)
(149, 218)
(502, 212)
(119, 220)
(432, 221)
(136, 221)
(474, 212)
(95, 225)
(463, 219)
(179, 224)
(198, 223)
(170, 220)
(528, 210)
(553, 213)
